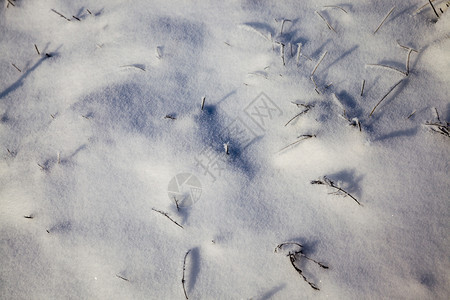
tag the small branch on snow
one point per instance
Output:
(203, 102)
(307, 108)
(227, 148)
(334, 6)
(412, 114)
(301, 138)
(60, 14)
(406, 47)
(37, 50)
(184, 270)
(362, 87)
(387, 67)
(16, 67)
(439, 126)
(382, 22)
(318, 63)
(325, 20)
(434, 9)
(282, 24)
(293, 257)
(121, 277)
(167, 216)
(326, 181)
(384, 97)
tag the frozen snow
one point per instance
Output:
(92, 134)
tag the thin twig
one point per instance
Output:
(412, 114)
(328, 24)
(407, 61)
(37, 50)
(334, 6)
(121, 277)
(392, 88)
(301, 138)
(293, 258)
(60, 14)
(308, 107)
(203, 102)
(176, 203)
(76, 18)
(16, 67)
(326, 181)
(362, 87)
(382, 22)
(320, 60)
(282, 24)
(434, 9)
(9, 2)
(387, 67)
(134, 66)
(315, 85)
(184, 270)
(299, 50)
(406, 47)
(167, 216)
(420, 8)
(437, 114)
(88, 11)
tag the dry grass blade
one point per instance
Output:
(387, 67)
(167, 216)
(301, 138)
(307, 108)
(293, 258)
(334, 6)
(407, 61)
(184, 271)
(37, 50)
(362, 87)
(439, 126)
(318, 63)
(203, 102)
(60, 14)
(140, 67)
(384, 20)
(384, 97)
(434, 9)
(326, 181)
(412, 114)
(406, 47)
(325, 20)
(16, 67)
(121, 277)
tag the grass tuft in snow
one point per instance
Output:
(339, 191)
(294, 257)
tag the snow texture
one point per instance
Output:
(95, 126)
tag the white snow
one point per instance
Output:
(91, 137)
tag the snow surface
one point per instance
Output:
(87, 150)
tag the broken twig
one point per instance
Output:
(382, 22)
(326, 181)
(167, 216)
(384, 97)
(184, 270)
